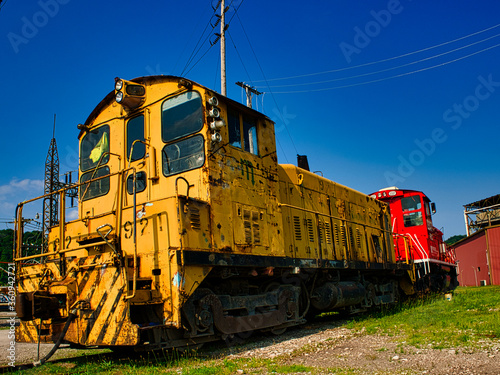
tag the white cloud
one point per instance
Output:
(15, 187)
(17, 191)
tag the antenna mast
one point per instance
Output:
(223, 48)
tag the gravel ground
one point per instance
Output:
(324, 346)
(334, 347)
(28, 353)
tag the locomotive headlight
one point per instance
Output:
(129, 94)
(118, 84)
(119, 97)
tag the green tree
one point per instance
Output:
(6, 238)
(32, 242)
(454, 239)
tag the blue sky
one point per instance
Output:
(371, 104)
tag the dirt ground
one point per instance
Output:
(330, 347)
(324, 346)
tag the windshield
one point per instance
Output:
(411, 203)
(412, 213)
(93, 147)
(181, 115)
(97, 188)
(183, 155)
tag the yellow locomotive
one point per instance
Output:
(190, 231)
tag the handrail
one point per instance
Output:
(134, 279)
(41, 255)
(17, 246)
(97, 167)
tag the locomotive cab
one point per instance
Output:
(416, 238)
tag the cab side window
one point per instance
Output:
(242, 131)
(233, 125)
(250, 134)
(135, 132)
(94, 155)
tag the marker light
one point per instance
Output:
(213, 101)
(215, 125)
(216, 137)
(214, 112)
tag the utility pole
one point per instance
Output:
(223, 48)
(249, 91)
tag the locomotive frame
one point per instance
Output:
(189, 231)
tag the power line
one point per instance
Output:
(387, 69)
(391, 77)
(201, 58)
(186, 44)
(239, 56)
(2, 5)
(383, 60)
(194, 54)
(197, 49)
(274, 99)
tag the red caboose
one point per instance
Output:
(416, 239)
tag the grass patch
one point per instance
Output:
(472, 315)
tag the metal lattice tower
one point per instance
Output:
(50, 204)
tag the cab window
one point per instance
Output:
(135, 132)
(140, 182)
(412, 213)
(250, 134)
(183, 155)
(411, 203)
(242, 131)
(94, 148)
(94, 154)
(413, 219)
(181, 115)
(233, 125)
(100, 187)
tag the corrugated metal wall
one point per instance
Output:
(472, 261)
(493, 235)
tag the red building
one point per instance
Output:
(478, 258)
(478, 255)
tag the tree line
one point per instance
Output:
(32, 243)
